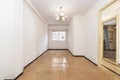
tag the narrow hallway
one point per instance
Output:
(59, 39)
(61, 65)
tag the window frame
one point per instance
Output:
(59, 35)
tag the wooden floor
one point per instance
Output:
(61, 65)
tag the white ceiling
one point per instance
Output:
(48, 8)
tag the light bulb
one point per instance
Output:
(57, 18)
(61, 14)
(63, 18)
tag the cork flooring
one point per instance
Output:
(61, 65)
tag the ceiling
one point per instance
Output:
(48, 9)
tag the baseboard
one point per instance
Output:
(35, 59)
(16, 77)
(71, 53)
(9, 79)
(82, 56)
(75, 55)
(27, 66)
(44, 53)
(57, 49)
(90, 61)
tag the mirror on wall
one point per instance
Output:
(109, 43)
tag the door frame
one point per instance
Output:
(100, 33)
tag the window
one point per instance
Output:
(62, 36)
(58, 35)
(54, 36)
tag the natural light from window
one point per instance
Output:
(58, 35)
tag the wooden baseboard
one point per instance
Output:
(82, 56)
(75, 55)
(35, 59)
(27, 66)
(90, 61)
(18, 76)
(9, 79)
(57, 49)
(44, 53)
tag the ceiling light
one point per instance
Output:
(60, 16)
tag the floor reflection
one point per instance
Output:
(60, 63)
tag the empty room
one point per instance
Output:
(60, 40)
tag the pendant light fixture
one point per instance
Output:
(60, 16)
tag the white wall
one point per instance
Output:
(70, 37)
(35, 35)
(12, 33)
(76, 35)
(91, 30)
(18, 68)
(11, 38)
(83, 32)
(57, 44)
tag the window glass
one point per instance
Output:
(62, 36)
(58, 35)
(54, 36)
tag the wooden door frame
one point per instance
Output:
(100, 33)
